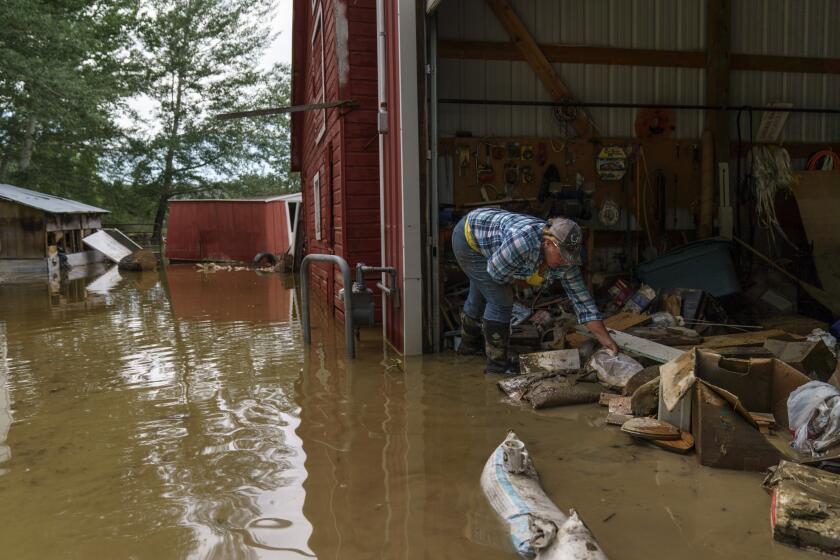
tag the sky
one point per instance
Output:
(281, 50)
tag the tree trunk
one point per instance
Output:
(169, 165)
(160, 216)
(28, 144)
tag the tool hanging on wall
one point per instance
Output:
(655, 124)
(527, 152)
(463, 159)
(486, 174)
(542, 154)
(526, 174)
(513, 151)
(609, 213)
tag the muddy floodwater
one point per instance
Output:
(179, 415)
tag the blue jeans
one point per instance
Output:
(486, 299)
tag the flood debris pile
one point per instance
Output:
(694, 377)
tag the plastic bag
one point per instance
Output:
(613, 370)
(814, 416)
(664, 319)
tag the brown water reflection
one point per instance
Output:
(180, 416)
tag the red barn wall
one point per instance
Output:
(223, 230)
(346, 156)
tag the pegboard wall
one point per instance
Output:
(662, 178)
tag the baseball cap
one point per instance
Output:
(569, 236)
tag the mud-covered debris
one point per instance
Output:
(651, 428)
(805, 509)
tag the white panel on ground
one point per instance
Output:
(107, 245)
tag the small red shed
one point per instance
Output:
(231, 230)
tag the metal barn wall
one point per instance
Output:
(783, 27)
(789, 28)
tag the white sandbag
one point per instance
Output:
(537, 526)
(613, 370)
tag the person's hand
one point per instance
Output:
(602, 334)
(610, 345)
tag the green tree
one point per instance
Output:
(65, 69)
(201, 59)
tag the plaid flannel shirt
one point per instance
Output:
(512, 244)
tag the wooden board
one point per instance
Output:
(756, 338)
(651, 428)
(619, 321)
(620, 405)
(606, 398)
(618, 419)
(682, 445)
(639, 346)
(818, 197)
(107, 245)
(648, 374)
(22, 235)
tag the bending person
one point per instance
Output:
(495, 249)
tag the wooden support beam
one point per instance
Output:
(530, 50)
(616, 56)
(572, 54)
(718, 41)
(283, 110)
(795, 64)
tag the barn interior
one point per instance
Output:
(694, 141)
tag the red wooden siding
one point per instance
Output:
(224, 230)
(345, 156)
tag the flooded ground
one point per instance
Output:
(179, 416)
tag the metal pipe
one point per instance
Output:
(390, 291)
(362, 269)
(521, 103)
(350, 341)
(435, 188)
(382, 118)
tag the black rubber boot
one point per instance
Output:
(496, 339)
(472, 341)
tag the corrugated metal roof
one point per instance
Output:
(47, 202)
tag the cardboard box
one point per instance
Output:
(814, 359)
(722, 393)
